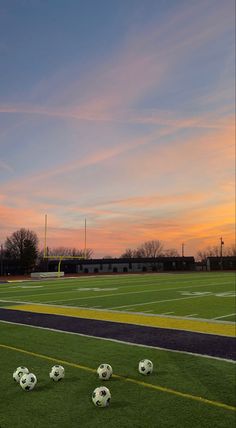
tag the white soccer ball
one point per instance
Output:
(57, 373)
(28, 381)
(101, 396)
(145, 367)
(18, 373)
(104, 371)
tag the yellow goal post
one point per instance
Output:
(62, 257)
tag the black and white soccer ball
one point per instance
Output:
(28, 381)
(145, 367)
(104, 371)
(57, 373)
(101, 396)
(18, 373)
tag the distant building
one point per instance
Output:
(132, 265)
(221, 263)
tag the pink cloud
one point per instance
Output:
(5, 166)
(198, 228)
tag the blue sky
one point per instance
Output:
(120, 112)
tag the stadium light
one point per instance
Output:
(221, 252)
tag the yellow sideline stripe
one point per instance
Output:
(140, 319)
(126, 379)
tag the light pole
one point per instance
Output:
(1, 259)
(221, 253)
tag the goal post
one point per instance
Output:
(62, 256)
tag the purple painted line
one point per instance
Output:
(180, 340)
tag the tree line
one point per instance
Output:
(23, 247)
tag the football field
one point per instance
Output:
(208, 296)
(186, 388)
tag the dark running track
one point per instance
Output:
(198, 343)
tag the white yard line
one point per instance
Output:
(114, 294)
(224, 316)
(157, 301)
(212, 320)
(123, 342)
(190, 315)
(167, 313)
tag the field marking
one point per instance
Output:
(126, 379)
(167, 313)
(190, 315)
(157, 301)
(215, 327)
(111, 294)
(103, 309)
(109, 339)
(96, 289)
(230, 293)
(61, 283)
(127, 293)
(224, 316)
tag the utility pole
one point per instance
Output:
(85, 239)
(221, 253)
(183, 249)
(1, 259)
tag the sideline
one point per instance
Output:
(173, 323)
(123, 342)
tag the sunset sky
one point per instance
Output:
(120, 112)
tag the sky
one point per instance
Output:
(120, 112)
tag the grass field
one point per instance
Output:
(205, 295)
(183, 391)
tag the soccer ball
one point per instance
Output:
(145, 367)
(104, 371)
(28, 381)
(18, 373)
(101, 396)
(57, 373)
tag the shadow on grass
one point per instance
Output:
(42, 387)
(73, 379)
(119, 404)
(49, 384)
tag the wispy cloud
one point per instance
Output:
(139, 144)
(5, 166)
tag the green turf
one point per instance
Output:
(68, 404)
(200, 295)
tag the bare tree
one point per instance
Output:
(150, 249)
(22, 246)
(128, 254)
(171, 252)
(73, 252)
(87, 254)
(213, 251)
(230, 251)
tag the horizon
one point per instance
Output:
(120, 113)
